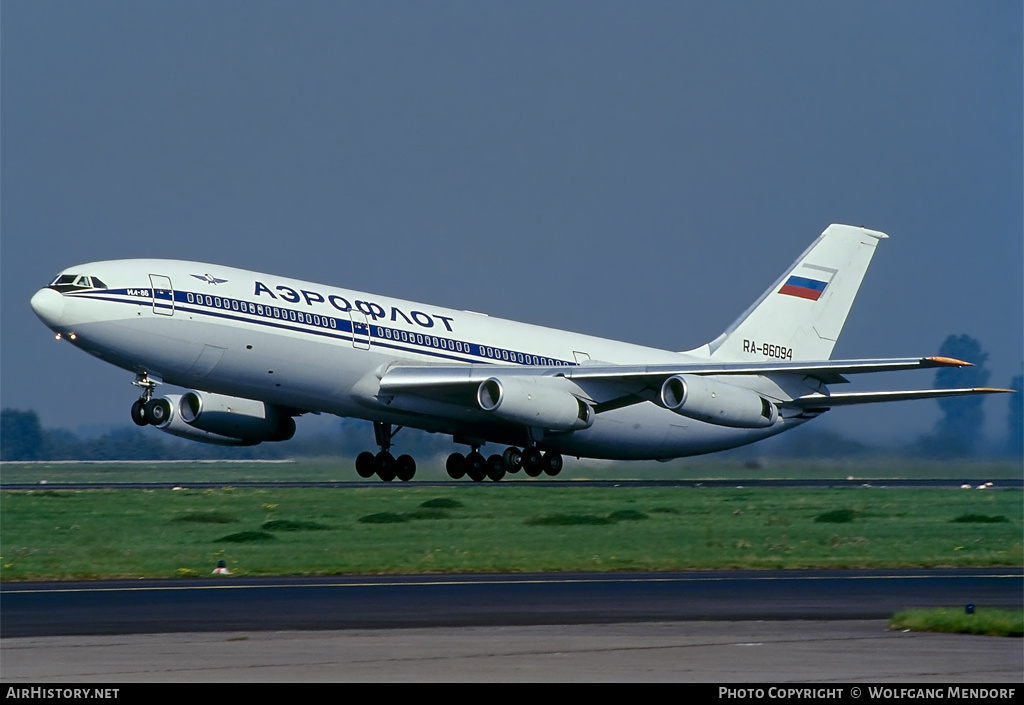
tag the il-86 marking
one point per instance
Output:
(778, 352)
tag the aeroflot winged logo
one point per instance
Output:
(209, 278)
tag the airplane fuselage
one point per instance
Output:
(309, 347)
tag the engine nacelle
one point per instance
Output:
(717, 402)
(244, 419)
(537, 403)
(163, 413)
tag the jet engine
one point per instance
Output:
(235, 417)
(534, 402)
(219, 419)
(717, 402)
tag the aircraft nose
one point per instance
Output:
(49, 306)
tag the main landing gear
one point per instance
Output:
(384, 465)
(476, 467)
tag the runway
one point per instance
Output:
(746, 626)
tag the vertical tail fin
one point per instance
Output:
(801, 315)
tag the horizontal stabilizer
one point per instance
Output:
(822, 401)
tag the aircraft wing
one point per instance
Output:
(826, 371)
(406, 377)
(613, 386)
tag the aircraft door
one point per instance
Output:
(163, 294)
(360, 329)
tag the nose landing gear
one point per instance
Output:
(147, 410)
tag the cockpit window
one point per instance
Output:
(76, 282)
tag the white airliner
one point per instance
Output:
(259, 350)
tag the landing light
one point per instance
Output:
(58, 336)
(72, 336)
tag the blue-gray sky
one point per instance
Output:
(640, 171)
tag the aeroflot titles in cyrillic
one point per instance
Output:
(367, 308)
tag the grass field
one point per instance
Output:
(955, 620)
(516, 527)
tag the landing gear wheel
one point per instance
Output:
(385, 466)
(456, 466)
(405, 468)
(476, 466)
(512, 459)
(532, 462)
(139, 413)
(365, 464)
(495, 467)
(158, 411)
(552, 463)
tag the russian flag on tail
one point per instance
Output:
(804, 288)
